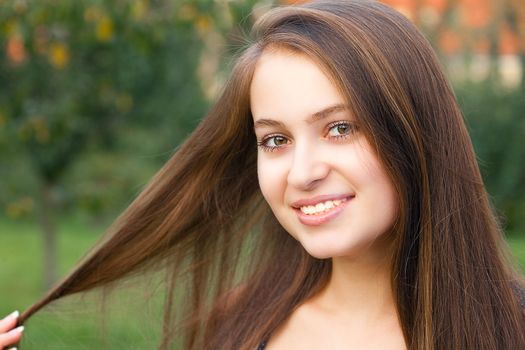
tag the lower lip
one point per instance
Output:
(319, 219)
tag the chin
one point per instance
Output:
(328, 252)
(336, 249)
(320, 254)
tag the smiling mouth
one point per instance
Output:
(321, 208)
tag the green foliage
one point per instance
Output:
(96, 94)
(74, 71)
(496, 118)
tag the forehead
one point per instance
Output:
(288, 84)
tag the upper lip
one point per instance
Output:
(319, 199)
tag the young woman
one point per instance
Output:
(330, 199)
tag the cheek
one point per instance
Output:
(381, 199)
(385, 198)
(272, 180)
(390, 205)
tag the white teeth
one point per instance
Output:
(321, 207)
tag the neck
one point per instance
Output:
(359, 288)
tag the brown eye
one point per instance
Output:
(273, 142)
(279, 140)
(341, 129)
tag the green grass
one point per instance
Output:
(21, 256)
(75, 323)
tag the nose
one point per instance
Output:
(308, 168)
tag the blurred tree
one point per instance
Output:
(77, 75)
(497, 126)
(478, 35)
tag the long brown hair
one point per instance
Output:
(203, 218)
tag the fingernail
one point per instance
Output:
(13, 349)
(14, 314)
(18, 329)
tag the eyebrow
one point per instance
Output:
(312, 119)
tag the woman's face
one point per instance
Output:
(318, 173)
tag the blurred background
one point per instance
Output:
(95, 95)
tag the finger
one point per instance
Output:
(8, 322)
(11, 337)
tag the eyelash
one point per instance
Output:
(351, 125)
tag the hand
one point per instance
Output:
(8, 335)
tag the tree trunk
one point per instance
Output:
(47, 225)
